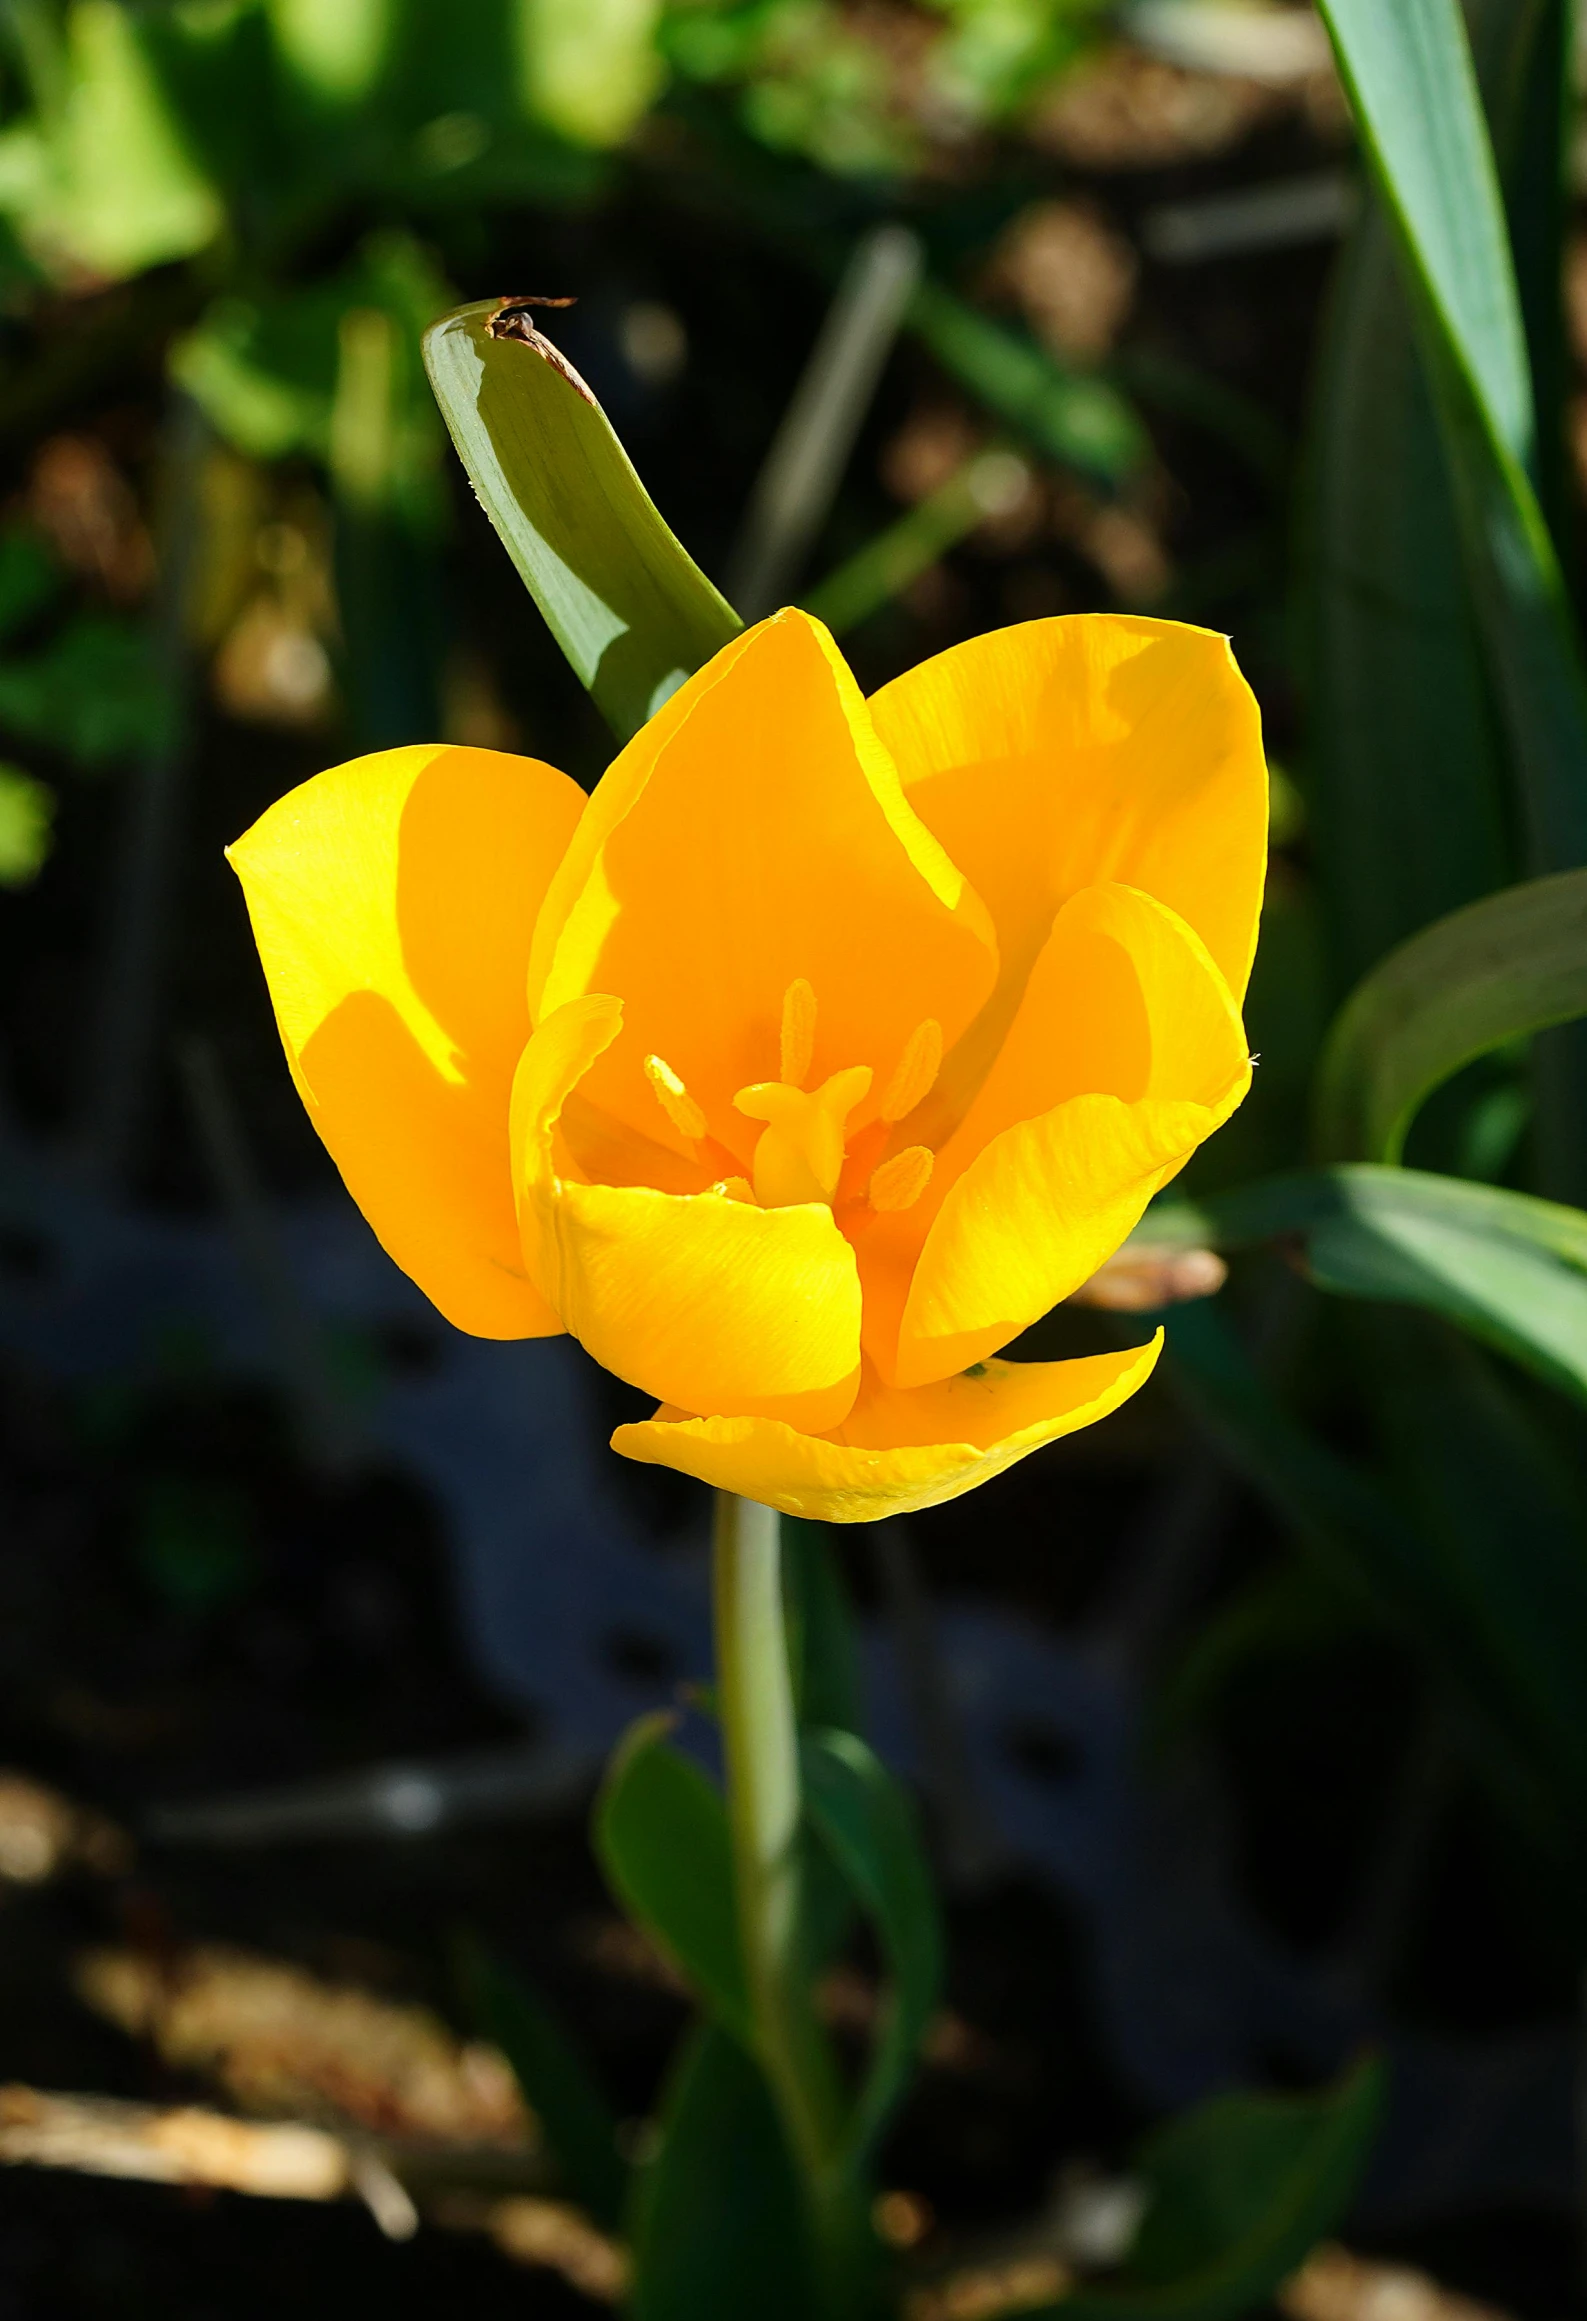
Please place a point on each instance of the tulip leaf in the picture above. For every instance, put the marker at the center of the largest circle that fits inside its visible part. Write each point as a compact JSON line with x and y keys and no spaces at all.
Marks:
{"x":1509,"y":1269}
{"x":662,"y":1836}
{"x":631,"y":610}
{"x":867,"y":1823}
{"x":717,"y":2221}
{"x":1413,"y":88}
{"x":1240,"y":2189}
{"x":1407,"y":774}
{"x":557,"y":2083}
{"x":1512,"y":964}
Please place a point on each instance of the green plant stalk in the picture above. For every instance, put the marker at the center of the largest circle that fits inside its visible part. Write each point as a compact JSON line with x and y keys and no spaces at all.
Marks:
{"x":760,"y":1742}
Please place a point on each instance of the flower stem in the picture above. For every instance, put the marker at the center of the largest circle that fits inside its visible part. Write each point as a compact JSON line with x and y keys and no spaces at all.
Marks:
{"x":760,"y":1740}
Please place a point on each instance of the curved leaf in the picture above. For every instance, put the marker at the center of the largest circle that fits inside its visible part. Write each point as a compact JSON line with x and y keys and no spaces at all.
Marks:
{"x":1510,"y":1269}
{"x":867,"y":1822}
{"x":1241,"y":2189}
{"x":661,"y":1833}
{"x":630,"y":608}
{"x":1509,"y":965}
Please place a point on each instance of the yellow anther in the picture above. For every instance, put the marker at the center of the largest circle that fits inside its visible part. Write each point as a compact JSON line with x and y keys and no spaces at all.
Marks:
{"x":800,"y":1153}
{"x":899,"y":1182}
{"x":918,"y":1067}
{"x":674,"y":1099}
{"x":734,"y":1189}
{"x":798,"y":1041}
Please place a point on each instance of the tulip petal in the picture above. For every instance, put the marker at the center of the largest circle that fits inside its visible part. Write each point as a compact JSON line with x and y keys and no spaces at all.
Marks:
{"x":393,"y":901}
{"x":1064,"y":753}
{"x":896,"y":1451}
{"x":754,"y":836}
{"x":1125,"y":1055}
{"x":699,"y":1298}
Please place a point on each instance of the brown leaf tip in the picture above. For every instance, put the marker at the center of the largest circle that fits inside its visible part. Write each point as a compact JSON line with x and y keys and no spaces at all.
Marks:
{"x":512,"y":320}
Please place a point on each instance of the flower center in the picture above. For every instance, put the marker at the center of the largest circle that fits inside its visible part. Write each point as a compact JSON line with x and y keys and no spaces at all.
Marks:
{"x":801,"y":1151}
{"x":799,"y":1154}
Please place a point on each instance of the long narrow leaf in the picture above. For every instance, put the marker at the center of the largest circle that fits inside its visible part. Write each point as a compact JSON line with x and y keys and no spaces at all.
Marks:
{"x":1501,"y":968}
{"x":1509,"y":1269}
{"x":1409,"y":72}
{"x":631,"y":610}
{"x":1406,"y":764}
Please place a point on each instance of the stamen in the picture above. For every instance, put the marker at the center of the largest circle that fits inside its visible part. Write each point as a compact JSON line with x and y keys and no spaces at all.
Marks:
{"x":674,"y":1099}
{"x":899,"y":1182}
{"x":918,"y":1067}
{"x":798,"y":1042}
{"x":734,"y":1189}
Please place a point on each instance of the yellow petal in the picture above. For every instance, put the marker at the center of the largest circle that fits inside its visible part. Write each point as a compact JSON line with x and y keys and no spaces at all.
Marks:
{"x":700,"y":1298}
{"x":754,"y":838}
{"x":896,"y":1451}
{"x":1126,"y":1053}
{"x":393,"y":901}
{"x":1100,"y":746}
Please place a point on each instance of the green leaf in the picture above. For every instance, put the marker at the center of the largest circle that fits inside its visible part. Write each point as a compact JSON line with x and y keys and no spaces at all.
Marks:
{"x":592,"y":66}
{"x":1509,"y":1269}
{"x":718,"y":2227}
{"x":631,"y":610}
{"x":1241,"y":2189}
{"x":27,"y":826}
{"x":92,"y":692}
{"x":867,"y":1822}
{"x":1073,"y":416}
{"x":662,"y":1836}
{"x":557,"y":2083}
{"x":30,"y":578}
{"x":1504,"y":967}
{"x":1413,"y":87}
{"x":1407,"y":778}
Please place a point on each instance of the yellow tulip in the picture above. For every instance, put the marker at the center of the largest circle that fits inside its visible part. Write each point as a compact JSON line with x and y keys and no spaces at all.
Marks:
{"x":821,"y":1050}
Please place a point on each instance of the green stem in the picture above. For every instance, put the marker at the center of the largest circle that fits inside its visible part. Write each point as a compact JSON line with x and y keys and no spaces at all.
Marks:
{"x":760,"y":1738}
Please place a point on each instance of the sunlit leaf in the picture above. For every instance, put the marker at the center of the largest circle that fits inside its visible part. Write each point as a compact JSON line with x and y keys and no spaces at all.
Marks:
{"x":1509,"y":1269}
{"x":629,"y":607}
{"x":27,"y":826}
{"x":1414,"y":92}
{"x":592,"y":65}
{"x":1509,"y":965}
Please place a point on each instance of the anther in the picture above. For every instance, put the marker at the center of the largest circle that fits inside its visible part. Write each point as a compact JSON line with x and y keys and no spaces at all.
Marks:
{"x":899,"y":1182}
{"x":674,"y":1099}
{"x":798,"y":1041}
{"x":918,"y":1067}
